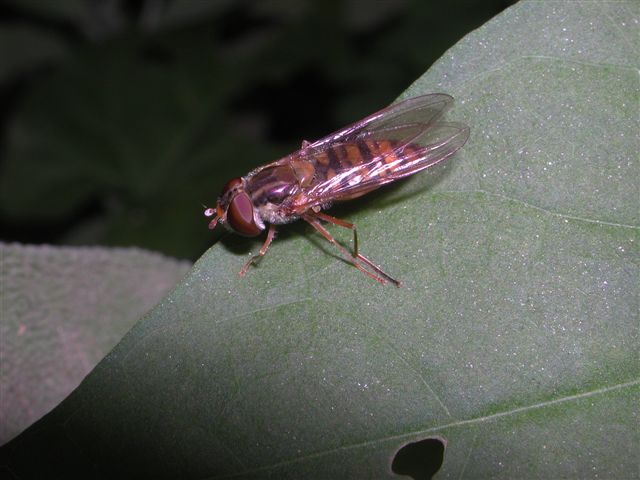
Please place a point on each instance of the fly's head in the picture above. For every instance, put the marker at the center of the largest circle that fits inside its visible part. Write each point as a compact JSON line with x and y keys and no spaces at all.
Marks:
{"x":235,"y":210}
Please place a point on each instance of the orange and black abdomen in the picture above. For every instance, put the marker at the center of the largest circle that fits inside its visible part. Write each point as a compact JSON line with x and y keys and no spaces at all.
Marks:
{"x":346,"y":156}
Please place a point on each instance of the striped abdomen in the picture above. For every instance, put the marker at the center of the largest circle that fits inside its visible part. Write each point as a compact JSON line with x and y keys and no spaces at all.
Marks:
{"x":376,"y":157}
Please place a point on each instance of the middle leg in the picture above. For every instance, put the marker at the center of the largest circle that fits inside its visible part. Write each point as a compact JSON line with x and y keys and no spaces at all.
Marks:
{"x":356,"y":254}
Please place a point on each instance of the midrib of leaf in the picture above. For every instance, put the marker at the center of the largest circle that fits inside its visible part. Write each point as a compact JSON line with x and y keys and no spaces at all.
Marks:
{"x":562,"y":215}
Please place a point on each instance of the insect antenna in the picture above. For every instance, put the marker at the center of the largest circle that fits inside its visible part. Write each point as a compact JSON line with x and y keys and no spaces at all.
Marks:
{"x":212,"y":212}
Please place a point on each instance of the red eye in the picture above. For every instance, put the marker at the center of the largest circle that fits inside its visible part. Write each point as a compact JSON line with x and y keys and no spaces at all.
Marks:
{"x":240,"y":216}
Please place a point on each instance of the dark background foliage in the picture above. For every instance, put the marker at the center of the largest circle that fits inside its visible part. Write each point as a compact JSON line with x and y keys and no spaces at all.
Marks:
{"x":120,"y":118}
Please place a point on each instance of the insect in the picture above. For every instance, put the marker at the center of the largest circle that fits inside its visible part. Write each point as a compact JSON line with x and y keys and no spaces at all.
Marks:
{"x":391,"y":144}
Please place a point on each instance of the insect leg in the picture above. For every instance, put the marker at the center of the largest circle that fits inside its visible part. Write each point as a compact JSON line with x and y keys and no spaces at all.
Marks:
{"x":342,"y":223}
{"x":270,"y":234}
{"x":315,"y":223}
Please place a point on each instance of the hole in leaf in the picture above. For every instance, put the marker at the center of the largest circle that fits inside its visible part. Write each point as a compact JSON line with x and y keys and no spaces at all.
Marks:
{"x":420,"y":460}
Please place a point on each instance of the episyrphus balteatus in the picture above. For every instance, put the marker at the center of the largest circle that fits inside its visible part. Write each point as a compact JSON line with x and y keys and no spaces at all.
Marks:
{"x":391,"y":144}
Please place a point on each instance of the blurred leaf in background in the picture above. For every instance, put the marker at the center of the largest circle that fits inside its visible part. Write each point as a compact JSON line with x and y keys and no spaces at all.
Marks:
{"x":62,"y":310}
{"x":121,"y":118}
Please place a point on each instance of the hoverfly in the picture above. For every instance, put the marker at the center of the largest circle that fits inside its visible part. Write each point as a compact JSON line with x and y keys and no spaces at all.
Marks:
{"x":395,"y":142}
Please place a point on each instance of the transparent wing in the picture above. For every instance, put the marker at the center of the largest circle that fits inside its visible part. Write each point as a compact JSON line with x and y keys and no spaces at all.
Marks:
{"x":423,"y":110}
{"x":429,"y":146}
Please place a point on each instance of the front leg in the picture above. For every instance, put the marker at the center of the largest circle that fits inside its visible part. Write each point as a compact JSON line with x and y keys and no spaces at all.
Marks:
{"x":270,"y":235}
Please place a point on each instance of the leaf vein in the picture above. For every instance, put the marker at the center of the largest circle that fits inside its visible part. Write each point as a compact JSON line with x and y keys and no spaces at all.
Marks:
{"x":542,"y":209}
{"x":471,"y":421}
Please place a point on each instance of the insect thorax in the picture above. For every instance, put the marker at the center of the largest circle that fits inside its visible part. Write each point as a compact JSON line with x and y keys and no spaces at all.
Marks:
{"x":276,"y":214}
{"x":272,"y":190}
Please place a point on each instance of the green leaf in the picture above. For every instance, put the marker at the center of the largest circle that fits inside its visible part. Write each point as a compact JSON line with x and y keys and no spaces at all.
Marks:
{"x":94,"y":19}
{"x":63,"y":309}
{"x":94,"y":125}
{"x":24,"y":48}
{"x":513,"y":339}
{"x":71,"y":10}
{"x":139,"y":124}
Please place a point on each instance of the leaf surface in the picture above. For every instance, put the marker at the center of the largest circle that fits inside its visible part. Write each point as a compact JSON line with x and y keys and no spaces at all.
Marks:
{"x":514,"y":337}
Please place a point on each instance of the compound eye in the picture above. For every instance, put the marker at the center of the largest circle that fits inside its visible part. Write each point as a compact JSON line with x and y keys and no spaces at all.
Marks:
{"x":240,"y":216}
